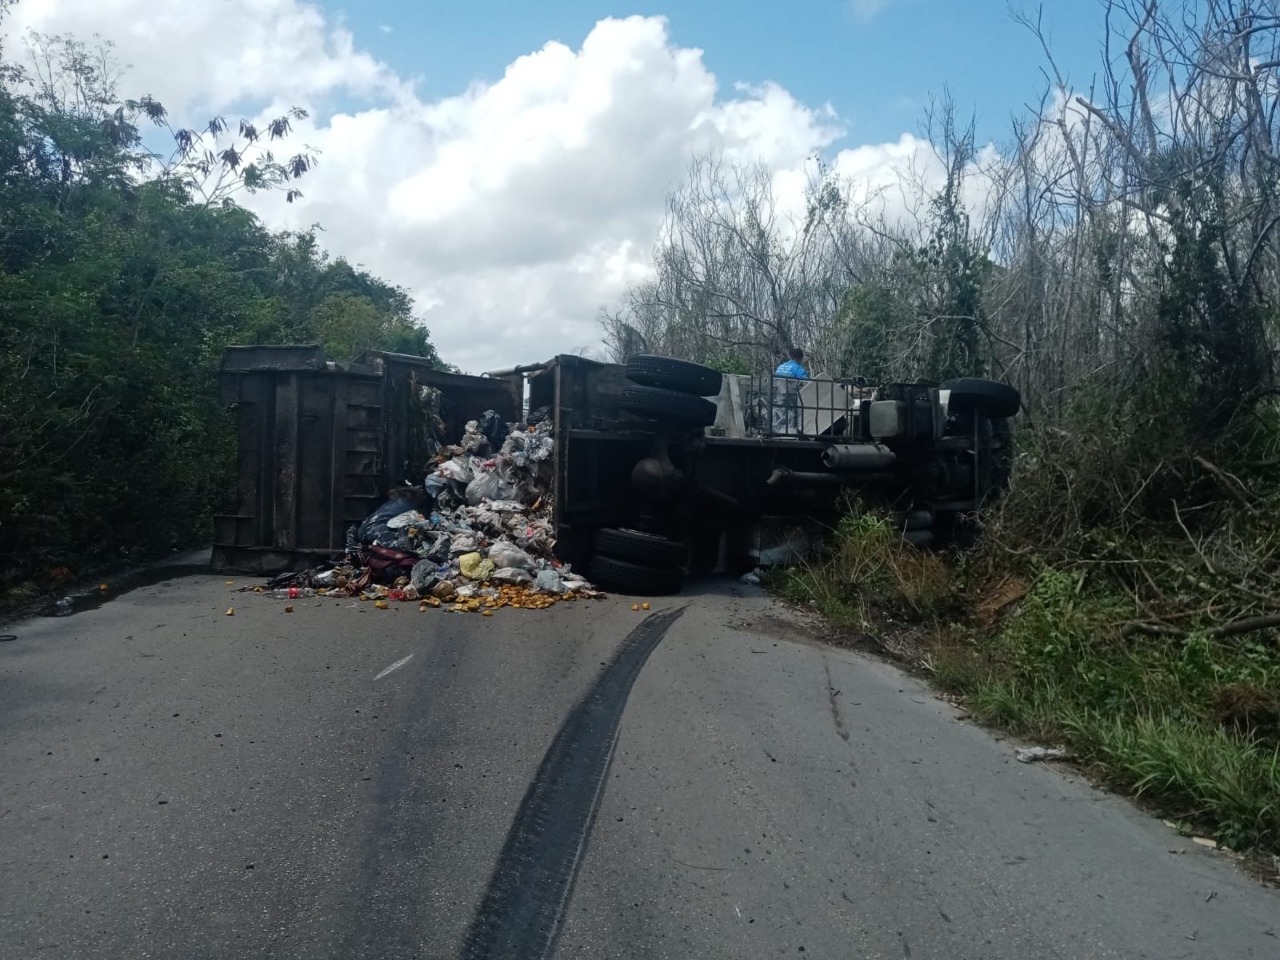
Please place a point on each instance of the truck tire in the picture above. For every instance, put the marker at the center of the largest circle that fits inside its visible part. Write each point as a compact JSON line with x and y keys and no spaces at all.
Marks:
{"x":917,"y":520}
{"x":654,"y":403}
{"x":638,"y":547}
{"x":918,"y":538}
{"x":991,"y":397}
{"x":668,"y":373}
{"x":635,"y":578}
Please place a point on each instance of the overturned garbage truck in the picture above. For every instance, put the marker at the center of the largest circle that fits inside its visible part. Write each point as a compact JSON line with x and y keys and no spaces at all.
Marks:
{"x":635,"y":474}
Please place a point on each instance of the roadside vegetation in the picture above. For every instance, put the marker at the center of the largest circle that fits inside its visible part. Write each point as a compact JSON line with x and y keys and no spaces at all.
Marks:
{"x":126,"y":265}
{"x":1075,"y":653}
{"x":1116,"y":258}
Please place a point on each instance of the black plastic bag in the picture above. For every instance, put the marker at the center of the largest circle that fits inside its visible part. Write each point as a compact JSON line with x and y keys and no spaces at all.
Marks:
{"x":374,"y":529}
{"x":494,"y":428}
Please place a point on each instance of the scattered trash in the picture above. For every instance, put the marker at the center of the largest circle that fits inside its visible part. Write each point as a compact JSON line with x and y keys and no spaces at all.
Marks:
{"x":475,"y":536}
{"x":408,"y":518}
{"x":751,"y":579}
{"x":475,"y":566}
{"x":231,"y":611}
{"x":376,"y":529}
{"x":509,"y":556}
{"x":293,"y":593}
{"x":511,"y":575}
{"x":289,"y":608}
{"x":1205,"y":842}
{"x":549,"y":581}
{"x":1032,"y":754}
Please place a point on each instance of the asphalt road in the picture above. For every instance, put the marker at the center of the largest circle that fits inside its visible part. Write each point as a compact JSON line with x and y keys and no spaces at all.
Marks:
{"x":584,"y":782}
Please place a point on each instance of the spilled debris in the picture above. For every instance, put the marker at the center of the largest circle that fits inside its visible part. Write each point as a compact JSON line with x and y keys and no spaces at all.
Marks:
{"x":1036,"y":754}
{"x":474,"y":537}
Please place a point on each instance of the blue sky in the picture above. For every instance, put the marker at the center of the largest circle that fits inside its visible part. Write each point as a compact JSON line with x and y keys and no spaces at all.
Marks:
{"x":878,"y":71}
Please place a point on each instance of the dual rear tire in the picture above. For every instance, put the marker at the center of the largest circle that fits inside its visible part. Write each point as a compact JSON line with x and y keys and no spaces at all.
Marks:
{"x":666,"y":391}
{"x":672,"y":391}
{"x":634,"y":562}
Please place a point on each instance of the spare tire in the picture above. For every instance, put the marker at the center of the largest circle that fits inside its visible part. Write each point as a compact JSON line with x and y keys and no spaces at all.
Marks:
{"x":668,"y":373}
{"x":640,"y":547}
{"x":993,"y":398}
{"x":635,"y":578}
{"x":654,"y":403}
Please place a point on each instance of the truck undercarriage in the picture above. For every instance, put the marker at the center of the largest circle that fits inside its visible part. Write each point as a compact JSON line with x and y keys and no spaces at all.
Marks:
{"x":933,"y":454}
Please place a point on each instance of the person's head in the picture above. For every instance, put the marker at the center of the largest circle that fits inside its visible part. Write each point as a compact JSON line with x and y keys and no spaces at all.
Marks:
{"x":796,"y":354}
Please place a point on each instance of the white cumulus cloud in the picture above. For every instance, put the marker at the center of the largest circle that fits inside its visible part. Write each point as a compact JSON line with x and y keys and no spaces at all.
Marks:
{"x":514,"y":210}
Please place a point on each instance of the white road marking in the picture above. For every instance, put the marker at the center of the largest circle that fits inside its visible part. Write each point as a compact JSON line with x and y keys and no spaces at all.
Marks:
{"x":395,"y":666}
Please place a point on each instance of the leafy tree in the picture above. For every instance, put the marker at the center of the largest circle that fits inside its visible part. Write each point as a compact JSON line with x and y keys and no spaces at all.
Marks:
{"x":869,"y":317}
{"x":123,"y":275}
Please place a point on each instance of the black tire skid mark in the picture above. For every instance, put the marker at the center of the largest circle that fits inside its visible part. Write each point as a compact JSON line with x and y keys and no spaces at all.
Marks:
{"x":522,"y":912}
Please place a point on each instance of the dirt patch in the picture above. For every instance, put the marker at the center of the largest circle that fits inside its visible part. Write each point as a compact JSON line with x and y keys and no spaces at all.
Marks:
{"x":998,"y":597}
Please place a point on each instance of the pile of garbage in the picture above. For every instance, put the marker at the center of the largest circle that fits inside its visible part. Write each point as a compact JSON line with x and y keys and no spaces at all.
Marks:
{"x":475,"y":537}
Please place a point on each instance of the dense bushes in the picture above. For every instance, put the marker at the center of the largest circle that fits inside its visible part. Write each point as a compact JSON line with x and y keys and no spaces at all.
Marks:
{"x":121,"y":280}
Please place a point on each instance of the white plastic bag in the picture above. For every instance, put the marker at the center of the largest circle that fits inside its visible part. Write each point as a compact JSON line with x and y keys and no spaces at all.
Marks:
{"x":486,"y":486}
{"x":406,"y":519}
{"x":548,"y":581}
{"x":456,"y":469}
{"x":507,"y":506}
{"x":511,"y":575}
{"x":505,"y":554}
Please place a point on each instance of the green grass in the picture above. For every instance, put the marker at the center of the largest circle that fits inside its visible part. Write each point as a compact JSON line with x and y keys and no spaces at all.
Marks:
{"x":1190,"y":724}
{"x":867,"y":573}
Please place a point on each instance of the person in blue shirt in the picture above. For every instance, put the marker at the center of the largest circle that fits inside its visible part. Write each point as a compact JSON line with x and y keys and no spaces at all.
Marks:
{"x":793,"y":366}
{"x":786,"y":400}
